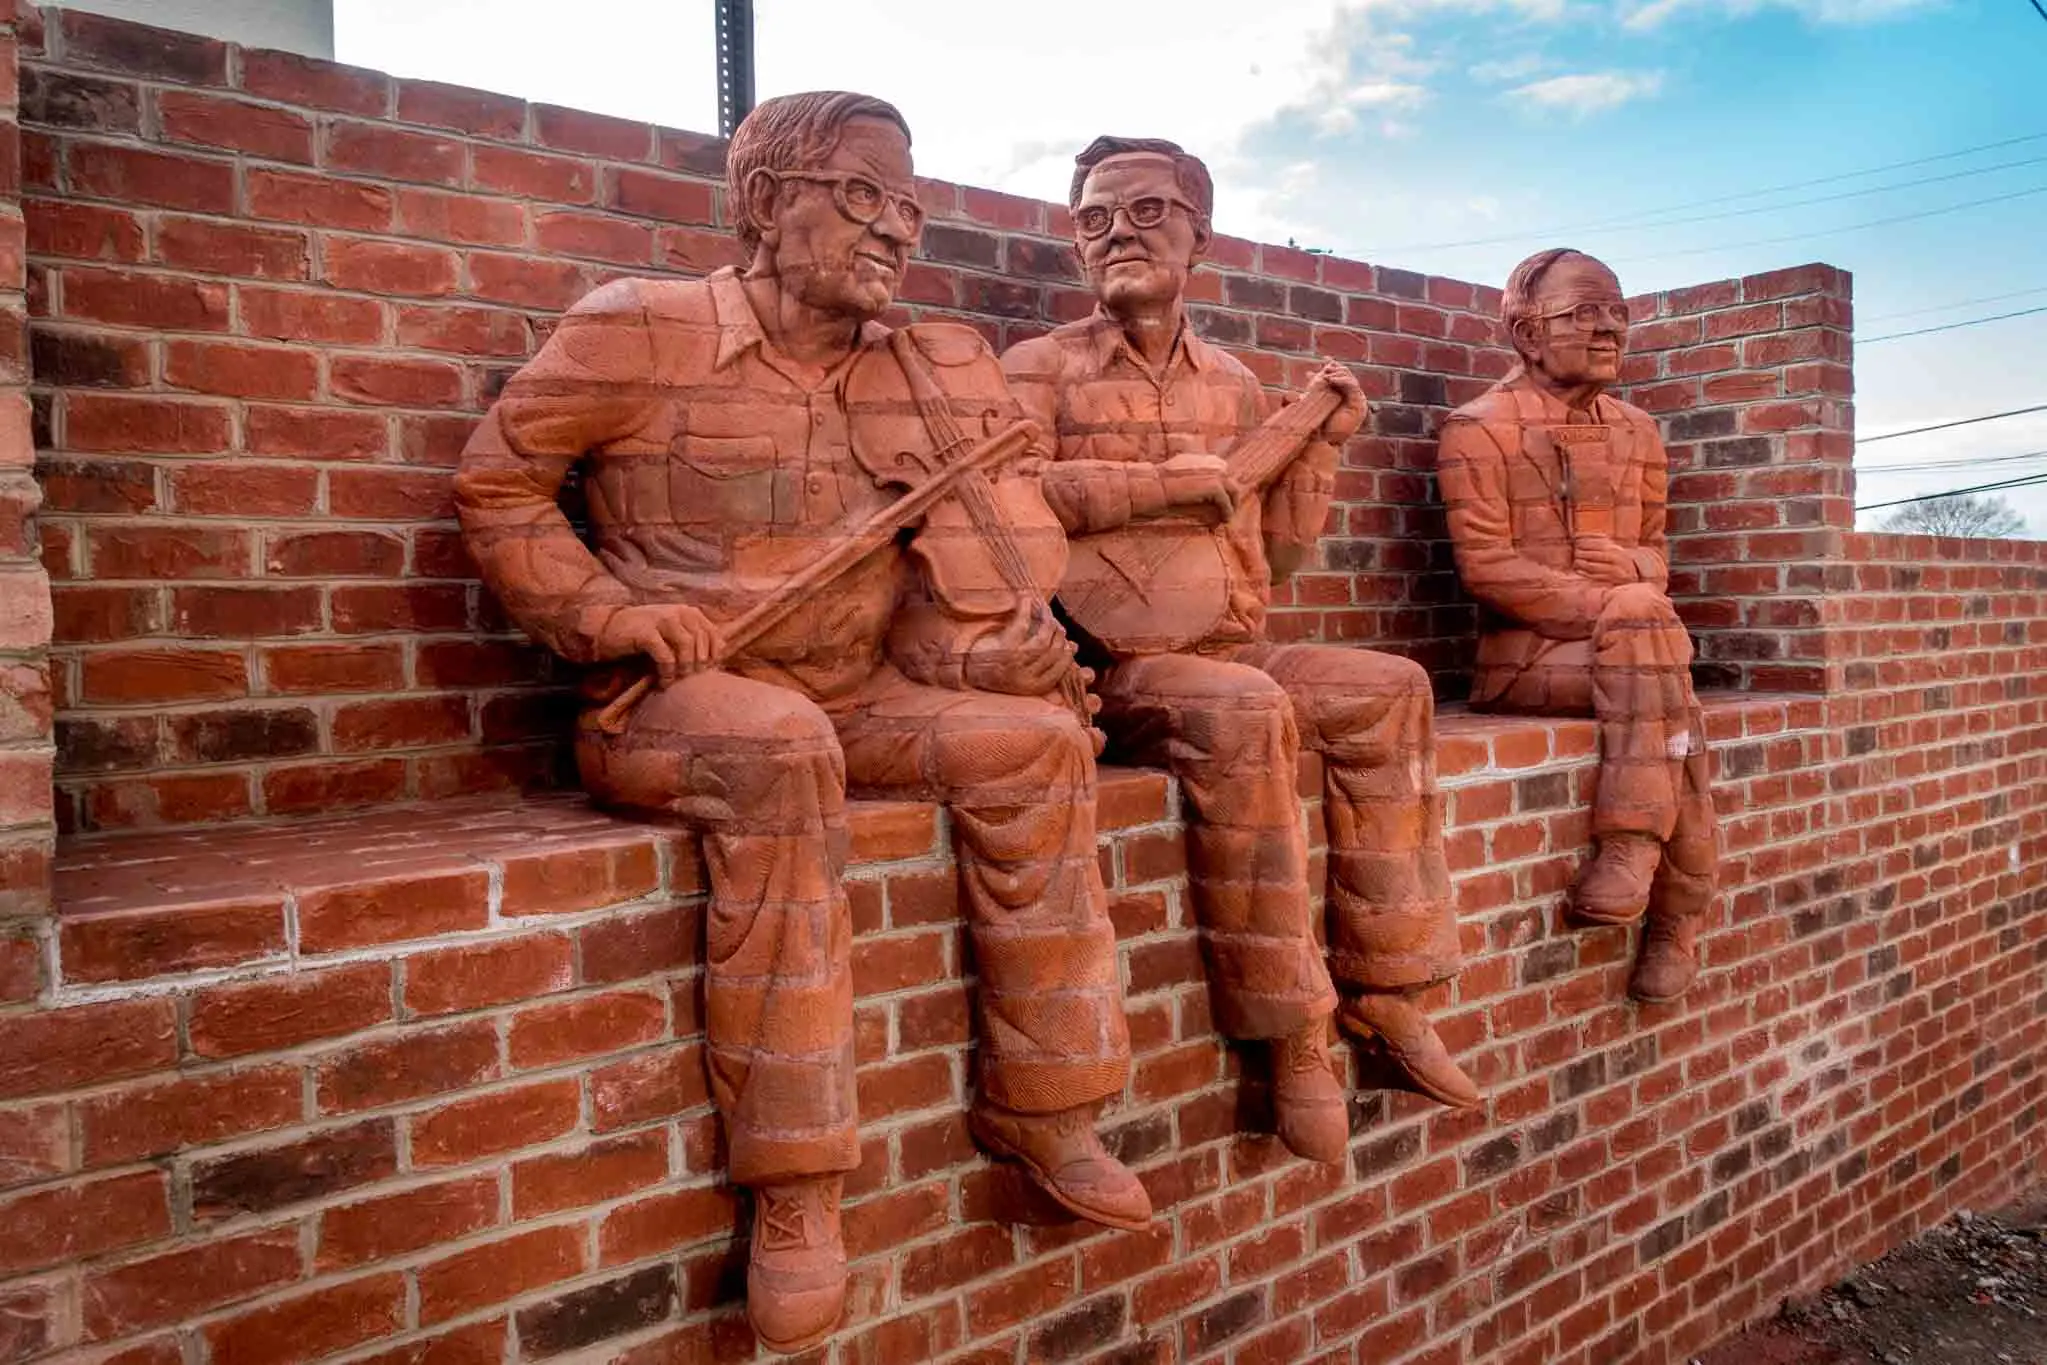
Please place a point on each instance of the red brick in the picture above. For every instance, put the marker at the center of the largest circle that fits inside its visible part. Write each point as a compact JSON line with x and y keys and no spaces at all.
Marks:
{"x":293,"y":79}
{"x":243,"y":490}
{"x":374,"y":266}
{"x":573,"y":130}
{"x":239,"y":371}
{"x":125,"y":677}
{"x":35,"y":1142}
{"x":117,"y":423}
{"x":396,"y":382}
{"x":319,"y":200}
{"x":314,"y":434}
{"x":132,"y":175}
{"x":473,"y":113}
{"x":231,"y":249}
{"x":324,"y":787}
{"x":128,"y":298}
{"x":71,"y":1222}
{"x":656,"y":1084}
{"x":334,"y":668}
{"x":392,"y":494}
{"x":526,"y":281}
{"x":466,"y":1130}
{"x":84,"y":1045}
{"x":585,"y":1027}
{"x":403,"y":607}
{"x":266,"y":1016}
{"x":411,"y":1066}
{"x":236,"y":125}
{"x":135,"y":947}
{"x":312,"y":1325}
{"x":92,"y":232}
{"x":334,"y":554}
{"x":565,"y":880}
{"x":242,"y":613}
{"x":188,"y":1281}
{"x":395,"y":1224}
{"x":464,"y":331}
{"x":476,"y":976}
{"x":401,"y":723}
{"x":377,"y":150}
{"x":482,"y":1343}
{"x":663,"y":1222}
{"x":500,"y":1270}
{"x":304,"y":315}
{"x":647,"y":194}
{"x":392,"y":910}
{"x":167,"y":552}
{"x":597,"y":1174}
{"x":566,"y":233}
{"x":469,"y":219}
{"x":324,"y":1162}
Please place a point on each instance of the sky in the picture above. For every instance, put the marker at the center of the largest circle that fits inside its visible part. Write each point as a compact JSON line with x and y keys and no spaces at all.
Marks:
{"x":1450,"y":136}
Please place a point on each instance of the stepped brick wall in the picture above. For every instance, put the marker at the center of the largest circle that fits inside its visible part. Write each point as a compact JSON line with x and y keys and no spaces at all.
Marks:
{"x":425,"y":1083}
{"x":270,"y":295}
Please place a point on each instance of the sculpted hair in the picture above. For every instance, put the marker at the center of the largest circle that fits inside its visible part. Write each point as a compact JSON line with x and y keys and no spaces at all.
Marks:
{"x":1517,"y":300}
{"x":1188,"y":171}
{"x":790,"y":133}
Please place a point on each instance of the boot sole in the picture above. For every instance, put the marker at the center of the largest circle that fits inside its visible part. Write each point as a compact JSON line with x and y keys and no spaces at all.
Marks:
{"x":994,"y":1143}
{"x":1447,"y":1099}
{"x":1605,"y":919}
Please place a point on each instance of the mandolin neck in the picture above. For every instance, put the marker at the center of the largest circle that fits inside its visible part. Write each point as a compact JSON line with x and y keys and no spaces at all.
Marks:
{"x":1257,"y":459}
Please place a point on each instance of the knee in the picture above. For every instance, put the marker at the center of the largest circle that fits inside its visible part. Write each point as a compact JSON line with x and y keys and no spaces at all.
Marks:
{"x":1636,"y":604}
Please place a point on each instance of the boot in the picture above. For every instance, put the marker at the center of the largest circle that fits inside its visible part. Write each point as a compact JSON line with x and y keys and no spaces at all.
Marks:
{"x":796,"y":1274}
{"x":1064,"y":1155}
{"x":1614,"y":887}
{"x":1307,"y":1099}
{"x":1411,"y":1041}
{"x":1668,"y":959}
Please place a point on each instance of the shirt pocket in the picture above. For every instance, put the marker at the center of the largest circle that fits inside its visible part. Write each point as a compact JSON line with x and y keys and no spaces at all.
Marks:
{"x":727,"y":479}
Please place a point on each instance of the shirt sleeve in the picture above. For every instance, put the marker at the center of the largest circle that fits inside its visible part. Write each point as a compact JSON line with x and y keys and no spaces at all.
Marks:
{"x":1087,"y":496}
{"x":589,"y":385}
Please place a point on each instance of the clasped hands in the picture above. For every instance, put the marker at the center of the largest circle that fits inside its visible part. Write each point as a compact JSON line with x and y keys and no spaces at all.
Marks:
{"x":1600,"y":559}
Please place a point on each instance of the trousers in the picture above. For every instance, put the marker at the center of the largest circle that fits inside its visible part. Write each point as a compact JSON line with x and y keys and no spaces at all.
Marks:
{"x":1230,"y":727}
{"x":763,"y":771}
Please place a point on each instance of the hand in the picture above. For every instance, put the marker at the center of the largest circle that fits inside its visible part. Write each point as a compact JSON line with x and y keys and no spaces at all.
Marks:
{"x":1200,"y":483}
{"x":1025,"y":658}
{"x":679,"y":639}
{"x":1602,"y":561}
{"x":1345,"y":421}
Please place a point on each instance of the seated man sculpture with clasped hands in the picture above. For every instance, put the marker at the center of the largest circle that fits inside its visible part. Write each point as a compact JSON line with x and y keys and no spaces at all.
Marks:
{"x":1556,"y":493}
{"x":736,"y":432}
{"x":1175,"y":549}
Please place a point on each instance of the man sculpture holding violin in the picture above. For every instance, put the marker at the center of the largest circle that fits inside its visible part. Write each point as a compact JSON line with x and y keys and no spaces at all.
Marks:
{"x":817,"y":568}
{"x":1184,"y":500}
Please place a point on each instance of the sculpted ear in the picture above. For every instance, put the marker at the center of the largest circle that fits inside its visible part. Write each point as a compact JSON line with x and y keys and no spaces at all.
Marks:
{"x":1526,"y":338}
{"x":763,"y":193}
{"x":1204,"y":236}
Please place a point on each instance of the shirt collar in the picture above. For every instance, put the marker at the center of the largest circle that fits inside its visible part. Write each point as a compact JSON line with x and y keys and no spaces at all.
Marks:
{"x":1108,"y":342}
{"x":739,"y":329}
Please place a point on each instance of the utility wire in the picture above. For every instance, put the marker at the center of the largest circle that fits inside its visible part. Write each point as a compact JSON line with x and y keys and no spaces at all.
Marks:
{"x":1629,"y":218}
{"x":1829,"y":198}
{"x":1942,"y":466}
{"x":1943,"y":426}
{"x":1950,"y":326}
{"x":2040,"y":7}
{"x":1850,"y":227}
{"x":1958,"y":303}
{"x":1954,"y":493}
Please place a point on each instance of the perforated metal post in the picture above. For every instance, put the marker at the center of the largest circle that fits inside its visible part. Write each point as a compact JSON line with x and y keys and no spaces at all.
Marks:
{"x":735,"y":63}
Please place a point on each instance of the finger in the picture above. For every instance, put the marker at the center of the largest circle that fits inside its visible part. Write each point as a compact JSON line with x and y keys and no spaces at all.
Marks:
{"x":664,"y":658}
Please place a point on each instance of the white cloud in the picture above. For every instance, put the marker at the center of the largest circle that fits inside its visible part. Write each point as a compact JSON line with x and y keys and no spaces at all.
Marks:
{"x":1509,"y":69}
{"x":1589,"y":92}
{"x":1643,"y":15}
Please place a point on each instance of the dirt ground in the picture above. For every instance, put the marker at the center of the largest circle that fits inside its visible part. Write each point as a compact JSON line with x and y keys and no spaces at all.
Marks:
{"x":1972,"y":1291}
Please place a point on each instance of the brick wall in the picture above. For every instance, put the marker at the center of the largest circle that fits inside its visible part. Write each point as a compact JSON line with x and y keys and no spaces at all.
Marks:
{"x":271,"y":293}
{"x":428,"y":1085}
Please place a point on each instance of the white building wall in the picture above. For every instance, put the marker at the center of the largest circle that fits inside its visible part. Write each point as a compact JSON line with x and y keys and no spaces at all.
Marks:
{"x":305,"y":26}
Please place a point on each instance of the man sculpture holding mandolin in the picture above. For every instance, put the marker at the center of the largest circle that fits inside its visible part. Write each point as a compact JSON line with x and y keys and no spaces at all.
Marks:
{"x":811,"y":573}
{"x":1182,"y":500}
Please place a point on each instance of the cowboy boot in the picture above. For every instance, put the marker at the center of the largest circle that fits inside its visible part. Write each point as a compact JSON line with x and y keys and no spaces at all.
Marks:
{"x":1064,"y":1155}
{"x":796,"y":1273}
{"x":1411,"y":1041}
{"x":1307,"y":1099}
{"x":1668,"y":960}
{"x":1614,"y":887}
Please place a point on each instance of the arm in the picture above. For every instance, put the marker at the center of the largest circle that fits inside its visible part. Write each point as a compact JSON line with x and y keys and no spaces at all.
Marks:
{"x":1472,"y":471}
{"x":1086,"y":495}
{"x":1652,"y":556}
{"x":587,"y":386}
{"x":1297,"y":504}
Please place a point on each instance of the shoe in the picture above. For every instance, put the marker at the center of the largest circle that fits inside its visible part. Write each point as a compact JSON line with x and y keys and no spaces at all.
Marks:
{"x":1668,"y":961}
{"x":1411,"y":1041}
{"x":796,"y":1273}
{"x":1307,"y":1100}
{"x":1614,"y":887}
{"x":1063,"y":1154}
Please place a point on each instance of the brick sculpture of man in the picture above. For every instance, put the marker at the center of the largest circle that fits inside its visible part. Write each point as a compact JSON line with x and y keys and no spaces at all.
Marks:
{"x":1143,"y":411}
{"x":725,"y":448}
{"x":1556,"y":494}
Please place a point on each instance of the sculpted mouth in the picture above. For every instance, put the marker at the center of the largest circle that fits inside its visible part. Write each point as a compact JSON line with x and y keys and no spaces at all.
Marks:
{"x":884,"y":262}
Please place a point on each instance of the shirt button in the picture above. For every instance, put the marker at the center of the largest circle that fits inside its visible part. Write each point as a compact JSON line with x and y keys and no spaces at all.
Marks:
{"x":817,"y":419}
{"x":816,"y":483}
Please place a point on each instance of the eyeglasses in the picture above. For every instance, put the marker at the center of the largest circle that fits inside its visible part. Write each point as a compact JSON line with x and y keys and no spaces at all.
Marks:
{"x":1094,"y":220}
{"x":1589,"y":316}
{"x":862,"y":201}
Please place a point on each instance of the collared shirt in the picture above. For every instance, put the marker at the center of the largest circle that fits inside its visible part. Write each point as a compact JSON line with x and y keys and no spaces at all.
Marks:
{"x":1106,"y":406}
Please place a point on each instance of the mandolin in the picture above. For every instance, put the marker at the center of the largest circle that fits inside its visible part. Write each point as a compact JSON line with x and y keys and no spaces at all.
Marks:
{"x":1162,"y":584}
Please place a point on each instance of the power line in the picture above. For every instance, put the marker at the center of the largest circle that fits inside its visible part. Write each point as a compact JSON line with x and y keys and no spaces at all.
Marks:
{"x":1831,"y":198}
{"x":2040,"y":7}
{"x":1958,"y":303}
{"x":1943,"y":426}
{"x":1851,"y":227}
{"x":1950,"y":326}
{"x":1942,"y":466}
{"x":1628,"y":218}
{"x":1954,"y":493}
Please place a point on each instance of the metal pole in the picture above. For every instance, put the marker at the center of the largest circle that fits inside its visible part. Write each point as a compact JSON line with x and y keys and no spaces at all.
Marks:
{"x":735,"y":63}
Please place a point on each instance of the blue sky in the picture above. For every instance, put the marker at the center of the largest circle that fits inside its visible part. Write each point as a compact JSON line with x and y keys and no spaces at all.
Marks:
{"x":1384,"y":128}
